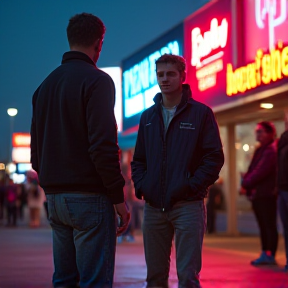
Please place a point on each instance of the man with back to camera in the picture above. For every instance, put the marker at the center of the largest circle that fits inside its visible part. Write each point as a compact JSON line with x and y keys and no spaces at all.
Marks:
{"x":75,"y":152}
{"x":178,"y":155}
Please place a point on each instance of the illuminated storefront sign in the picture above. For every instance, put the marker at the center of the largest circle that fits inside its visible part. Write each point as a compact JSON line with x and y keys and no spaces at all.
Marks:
{"x":21,"y":139}
{"x":267,"y":67}
{"x":21,"y":147}
{"x":265,"y":22}
{"x":271,"y":13}
{"x":205,"y":45}
{"x":140,"y":83}
{"x":207,"y":49}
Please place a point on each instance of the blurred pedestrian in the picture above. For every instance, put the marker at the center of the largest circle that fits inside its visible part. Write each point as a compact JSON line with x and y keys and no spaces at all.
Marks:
{"x":21,"y":200}
{"x":178,"y":155}
{"x":35,"y":199}
{"x":215,"y":198}
{"x":260,"y":187}
{"x":283,"y":187}
{"x":11,"y":195}
{"x":2,"y":197}
{"x":132,"y":201}
{"x":75,"y":153}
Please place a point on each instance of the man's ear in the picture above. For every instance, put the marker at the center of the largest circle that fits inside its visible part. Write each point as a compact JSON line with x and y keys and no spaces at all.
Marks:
{"x":98,"y":45}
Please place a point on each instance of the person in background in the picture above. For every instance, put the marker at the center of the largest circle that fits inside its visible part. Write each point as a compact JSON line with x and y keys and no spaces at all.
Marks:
{"x":132,"y":201}
{"x":74,"y":150}
{"x":259,"y":184}
{"x":282,"y":183}
{"x":2,"y":197}
{"x":21,"y":201}
{"x":35,"y":198}
{"x":11,"y":196}
{"x":178,"y":155}
{"x":214,"y":200}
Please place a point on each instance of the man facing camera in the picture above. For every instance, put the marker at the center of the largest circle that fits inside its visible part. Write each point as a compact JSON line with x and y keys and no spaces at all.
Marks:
{"x":178,"y":155}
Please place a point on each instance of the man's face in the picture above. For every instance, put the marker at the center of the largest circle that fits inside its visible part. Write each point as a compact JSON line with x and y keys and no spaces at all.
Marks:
{"x":169,"y":78}
{"x":261,"y":135}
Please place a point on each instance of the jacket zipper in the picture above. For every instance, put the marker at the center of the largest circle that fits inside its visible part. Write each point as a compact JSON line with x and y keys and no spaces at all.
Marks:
{"x":164,"y":157}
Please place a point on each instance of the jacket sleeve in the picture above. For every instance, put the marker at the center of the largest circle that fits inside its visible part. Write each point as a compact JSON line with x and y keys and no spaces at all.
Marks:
{"x":102,"y":133}
{"x":212,"y":157}
{"x":138,"y":165}
{"x":264,"y":167}
{"x":33,"y":144}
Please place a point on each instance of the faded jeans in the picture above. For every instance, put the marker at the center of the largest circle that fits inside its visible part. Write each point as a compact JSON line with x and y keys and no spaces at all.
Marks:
{"x":187,"y":222}
{"x":84,"y":239}
{"x":283,"y":211}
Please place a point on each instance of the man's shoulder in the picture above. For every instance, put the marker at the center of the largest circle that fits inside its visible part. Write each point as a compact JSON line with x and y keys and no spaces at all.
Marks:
{"x":198,"y":104}
{"x":148,"y":111}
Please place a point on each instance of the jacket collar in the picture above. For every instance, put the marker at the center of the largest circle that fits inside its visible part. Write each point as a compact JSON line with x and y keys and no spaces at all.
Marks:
{"x":186,"y":96}
{"x":76,"y":55}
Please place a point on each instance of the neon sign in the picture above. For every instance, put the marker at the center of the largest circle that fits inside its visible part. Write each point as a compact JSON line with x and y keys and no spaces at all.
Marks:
{"x":266,"y":68}
{"x":21,"y":139}
{"x":214,"y":38}
{"x":207,"y":75}
{"x":208,"y":49}
{"x":204,"y":45}
{"x":140,"y":82}
{"x":269,"y":8}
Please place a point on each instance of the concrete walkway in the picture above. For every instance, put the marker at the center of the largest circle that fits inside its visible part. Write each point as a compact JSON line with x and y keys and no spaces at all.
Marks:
{"x":26,"y":261}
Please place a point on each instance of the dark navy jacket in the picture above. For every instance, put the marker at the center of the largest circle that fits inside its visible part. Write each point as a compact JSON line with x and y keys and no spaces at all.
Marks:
{"x":182,"y":164}
{"x":74,"y":132}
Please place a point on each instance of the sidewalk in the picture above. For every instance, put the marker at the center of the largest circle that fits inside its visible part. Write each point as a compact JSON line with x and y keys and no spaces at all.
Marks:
{"x":26,"y":262}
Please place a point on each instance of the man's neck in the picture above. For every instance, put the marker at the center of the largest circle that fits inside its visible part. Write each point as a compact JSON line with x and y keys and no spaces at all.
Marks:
{"x":170,"y":101}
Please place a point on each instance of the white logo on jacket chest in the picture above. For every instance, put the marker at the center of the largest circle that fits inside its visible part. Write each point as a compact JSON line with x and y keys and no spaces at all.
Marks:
{"x":184,"y":125}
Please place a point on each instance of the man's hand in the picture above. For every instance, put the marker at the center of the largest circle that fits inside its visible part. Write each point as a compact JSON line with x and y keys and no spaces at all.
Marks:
{"x":123,"y":213}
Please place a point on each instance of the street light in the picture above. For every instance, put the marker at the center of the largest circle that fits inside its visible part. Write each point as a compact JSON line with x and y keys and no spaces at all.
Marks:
{"x":11,"y":112}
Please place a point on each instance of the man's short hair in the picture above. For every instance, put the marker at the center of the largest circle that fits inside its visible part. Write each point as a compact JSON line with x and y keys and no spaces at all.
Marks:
{"x":84,"y":29}
{"x":173,"y":59}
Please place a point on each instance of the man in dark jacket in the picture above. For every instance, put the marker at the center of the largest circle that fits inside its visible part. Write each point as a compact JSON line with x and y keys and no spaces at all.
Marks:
{"x":283,"y":187}
{"x":75,"y":152}
{"x":178,"y":154}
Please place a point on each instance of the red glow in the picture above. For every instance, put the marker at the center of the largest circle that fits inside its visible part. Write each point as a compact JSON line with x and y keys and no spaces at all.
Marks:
{"x":21,"y":140}
{"x":212,"y":51}
{"x":255,"y":37}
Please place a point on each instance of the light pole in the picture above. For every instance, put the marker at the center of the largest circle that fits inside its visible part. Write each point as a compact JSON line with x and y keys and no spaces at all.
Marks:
{"x":12,"y":112}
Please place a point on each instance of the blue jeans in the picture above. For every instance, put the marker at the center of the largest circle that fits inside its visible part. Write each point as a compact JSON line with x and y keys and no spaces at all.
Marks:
{"x":283,"y":211}
{"x":84,"y":239}
{"x":187,"y":221}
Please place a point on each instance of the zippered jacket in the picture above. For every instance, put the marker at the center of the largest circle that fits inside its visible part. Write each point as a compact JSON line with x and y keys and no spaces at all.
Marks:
{"x":260,"y":179}
{"x":74,"y":133}
{"x":184,"y":162}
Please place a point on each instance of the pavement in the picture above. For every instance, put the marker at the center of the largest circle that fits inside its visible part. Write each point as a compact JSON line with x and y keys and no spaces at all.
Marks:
{"x":26,"y":261}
